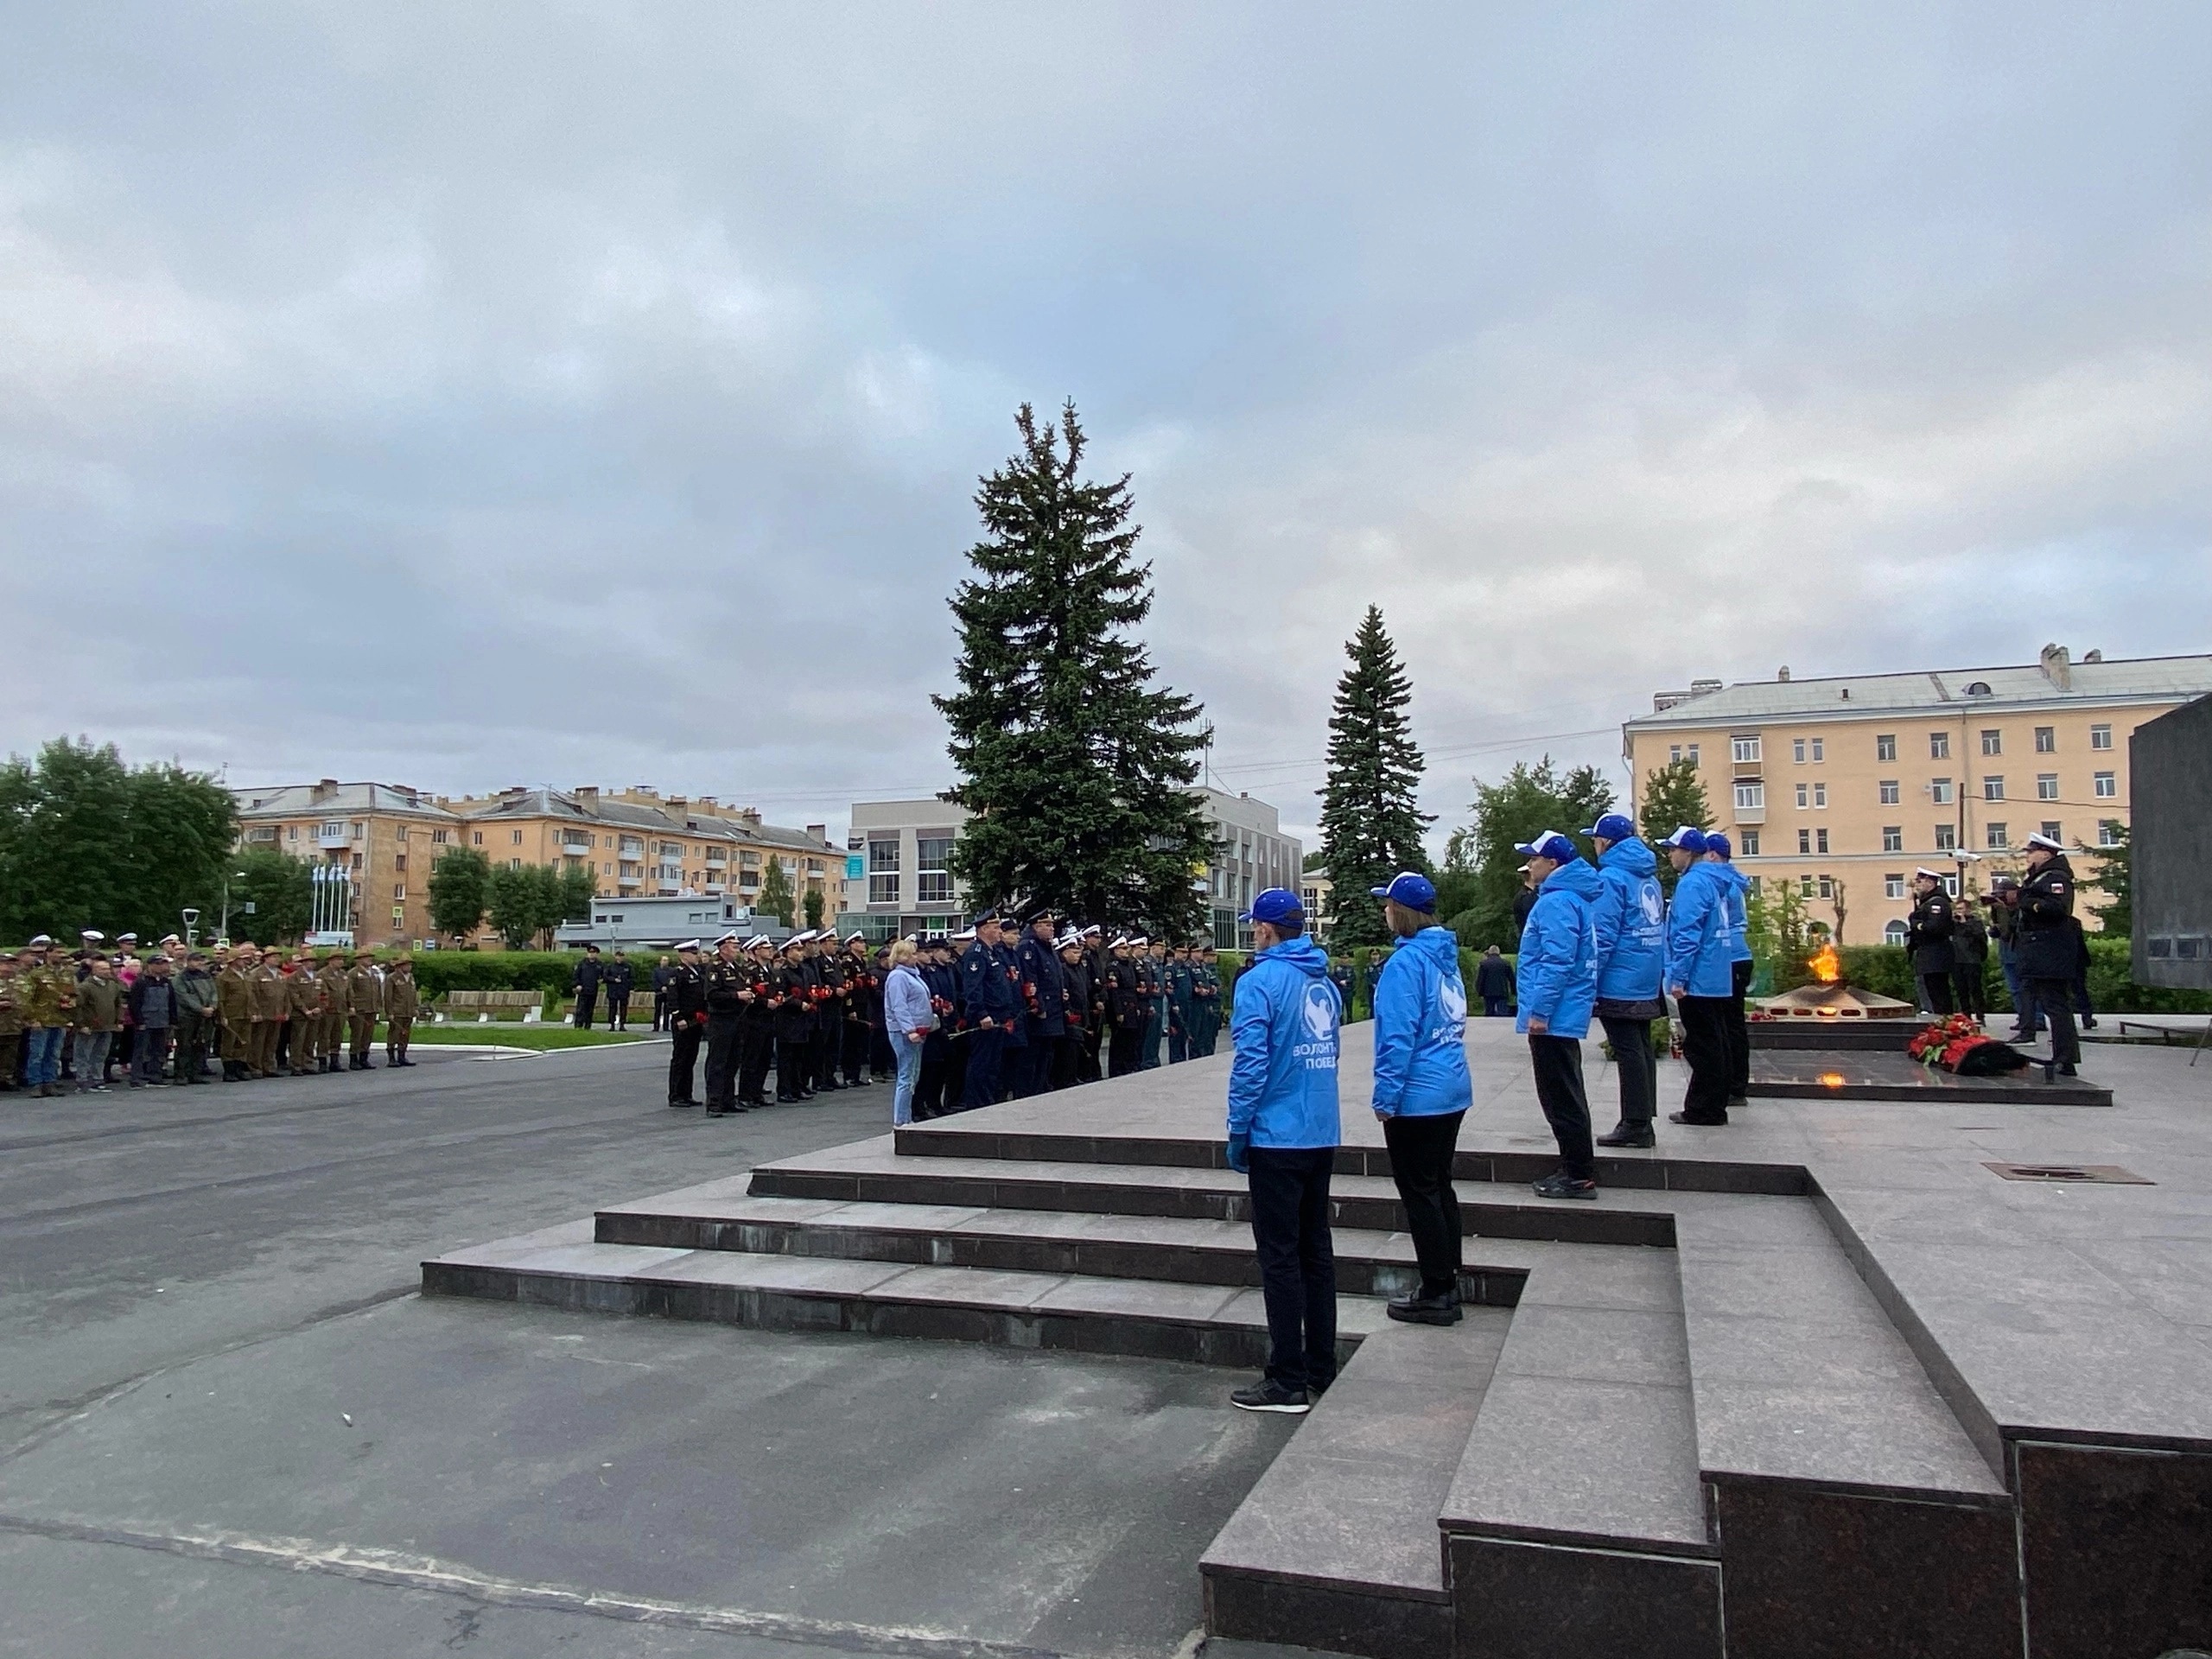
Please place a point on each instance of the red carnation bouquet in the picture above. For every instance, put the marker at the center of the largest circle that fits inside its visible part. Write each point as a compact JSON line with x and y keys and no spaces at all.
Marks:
{"x":1959,"y":1046}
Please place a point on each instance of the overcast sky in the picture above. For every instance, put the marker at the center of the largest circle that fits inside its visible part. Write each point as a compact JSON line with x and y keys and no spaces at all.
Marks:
{"x":473,"y":396}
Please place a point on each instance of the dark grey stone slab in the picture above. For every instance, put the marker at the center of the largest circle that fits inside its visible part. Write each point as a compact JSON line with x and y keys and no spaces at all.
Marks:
{"x":1845,"y":1036}
{"x":1329,"y":1618}
{"x":1817,"y":1575}
{"x":1521,"y":1600}
{"x":2117,"y":1550}
{"x":1844,"y":1075}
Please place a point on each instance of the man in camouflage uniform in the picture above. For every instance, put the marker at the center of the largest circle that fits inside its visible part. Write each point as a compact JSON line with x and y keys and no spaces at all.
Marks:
{"x":304,"y":1003}
{"x":269,"y":997}
{"x":49,"y":996}
{"x":11,"y":1023}
{"x":363,"y":1002}
{"x":234,"y":1013}
{"x":401,"y":1000}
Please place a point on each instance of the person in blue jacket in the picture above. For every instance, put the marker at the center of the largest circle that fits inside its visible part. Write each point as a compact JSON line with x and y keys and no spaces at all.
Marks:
{"x":1421,"y":1087}
{"x":1630,"y":920}
{"x":1718,"y":853}
{"x":1699,"y":976}
{"x":1559,"y":988}
{"x":1283,"y":1131}
{"x":988,"y":1008}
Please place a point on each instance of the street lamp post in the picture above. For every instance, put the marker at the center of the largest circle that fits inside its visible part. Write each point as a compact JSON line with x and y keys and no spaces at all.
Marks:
{"x":191,"y":926}
{"x":223,"y":927}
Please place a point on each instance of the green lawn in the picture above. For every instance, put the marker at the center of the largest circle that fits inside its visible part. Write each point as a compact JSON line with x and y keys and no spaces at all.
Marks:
{"x":515,"y":1034}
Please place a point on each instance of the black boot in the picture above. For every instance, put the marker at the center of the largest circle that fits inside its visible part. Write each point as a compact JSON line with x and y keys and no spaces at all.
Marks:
{"x":1629,"y":1135}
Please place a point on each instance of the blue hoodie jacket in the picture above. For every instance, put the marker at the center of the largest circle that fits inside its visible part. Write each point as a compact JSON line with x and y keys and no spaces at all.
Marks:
{"x":1697,"y":933}
{"x":1559,"y":953}
{"x":1421,"y":1029}
{"x":1630,"y":916}
{"x":1739,"y":916}
{"x":1282,"y":1084}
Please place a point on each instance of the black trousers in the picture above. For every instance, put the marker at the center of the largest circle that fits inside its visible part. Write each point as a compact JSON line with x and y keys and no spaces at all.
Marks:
{"x":1014,"y":1061}
{"x":2055,"y":998}
{"x":587,"y":1003}
{"x":929,"y":1084}
{"x":1093,"y":1036}
{"x":823,"y":1048}
{"x":1420,"y":1163}
{"x":981,"y":1085}
{"x":618,"y":1009}
{"x":721,"y":1062}
{"x":955,"y":1076}
{"x":1704,"y":1045}
{"x":794,"y":1067}
{"x":1639,"y":1068}
{"x":1967,"y":980}
{"x":1739,"y":1034}
{"x":755,"y":1040}
{"x":1935,"y":991}
{"x":856,"y":1046}
{"x":1124,"y":1053}
{"x":1297,"y":1263}
{"x":683,"y":1058}
{"x":1558,"y":1065}
{"x":1067,"y":1061}
{"x":193,"y":1032}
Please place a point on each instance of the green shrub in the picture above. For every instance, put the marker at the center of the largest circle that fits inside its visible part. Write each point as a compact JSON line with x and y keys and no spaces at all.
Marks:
{"x":440,"y":971}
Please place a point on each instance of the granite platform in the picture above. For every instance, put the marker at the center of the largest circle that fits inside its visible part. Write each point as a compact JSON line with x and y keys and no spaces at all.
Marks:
{"x":1822,"y":1382}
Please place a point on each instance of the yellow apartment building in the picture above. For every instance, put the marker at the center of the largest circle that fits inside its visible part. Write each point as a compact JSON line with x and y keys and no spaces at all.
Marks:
{"x":1844,"y":786}
{"x":385,"y":835}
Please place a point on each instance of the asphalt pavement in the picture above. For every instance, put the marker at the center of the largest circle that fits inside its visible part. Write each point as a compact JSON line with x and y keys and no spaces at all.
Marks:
{"x":230,"y":1426}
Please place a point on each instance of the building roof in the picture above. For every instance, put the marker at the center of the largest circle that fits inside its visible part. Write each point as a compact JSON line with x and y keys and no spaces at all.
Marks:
{"x":559,"y":804}
{"x":332,"y":798}
{"x":1947,"y":693}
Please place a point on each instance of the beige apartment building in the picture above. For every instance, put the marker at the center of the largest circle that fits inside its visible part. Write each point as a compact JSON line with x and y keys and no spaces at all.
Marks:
{"x":385,"y":835}
{"x":1844,"y":786}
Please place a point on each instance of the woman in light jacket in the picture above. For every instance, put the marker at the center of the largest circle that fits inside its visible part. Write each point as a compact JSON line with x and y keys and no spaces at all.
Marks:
{"x":908,"y":1019}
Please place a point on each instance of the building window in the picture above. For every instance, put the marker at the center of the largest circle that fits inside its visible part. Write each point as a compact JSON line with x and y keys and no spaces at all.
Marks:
{"x":2100,"y":737}
{"x":1803,"y":794}
{"x":402,"y":832}
{"x":1804,"y":886}
{"x":2049,"y":828}
{"x":1992,"y":787}
{"x":1804,"y":842}
{"x":400,"y":862}
{"x":1895,"y":932}
{"x":266,"y":832}
{"x":1939,"y":746}
{"x":1889,"y":788}
{"x":1939,"y":790}
{"x":1885,"y":746}
{"x":437,"y":837}
{"x":2046,"y":740}
{"x":1947,"y":838}
{"x":1828,"y":886}
{"x":1693,"y":755}
{"x":1751,"y":842}
{"x":2107,"y":786}
{"x":514,"y":864}
{"x":1893,"y":838}
{"x":1893,"y":886}
{"x":399,"y":891}
{"x":1820,"y":750}
{"x":1992,"y":741}
{"x":2108,"y":832}
{"x":477,"y":835}
{"x":1998,"y":841}
{"x":1819,"y":795}
{"x":883,"y":872}
{"x":1751,"y":797}
{"x":933,"y":869}
{"x":1674,"y":754}
{"x":1797,"y":750}
{"x":1951,"y":886}
{"x":292,"y":833}
{"x":1746,"y":749}
{"x":1820,"y":840}
{"x":2046,"y":787}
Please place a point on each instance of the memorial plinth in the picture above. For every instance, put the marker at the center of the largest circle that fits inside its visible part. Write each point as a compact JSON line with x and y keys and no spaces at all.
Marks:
{"x":1825,"y":1381}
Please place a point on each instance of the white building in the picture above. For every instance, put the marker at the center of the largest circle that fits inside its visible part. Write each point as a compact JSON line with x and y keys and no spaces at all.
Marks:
{"x":900,"y":878}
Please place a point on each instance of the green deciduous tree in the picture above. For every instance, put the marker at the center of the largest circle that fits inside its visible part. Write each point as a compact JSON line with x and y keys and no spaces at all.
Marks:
{"x":88,"y":841}
{"x":1076,"y":765}
{"x":811,"y":907}
{"x":526,"y":905}
{"x":281,"y":890}
{"x":2115,"y":879}
{"x":1673,"y":795}
{"x":1527,"y":800}
{"x":460,"y":890}
{"x":776,"y":893}
{"x":1371,"y":824}
{"x":578,"y":885}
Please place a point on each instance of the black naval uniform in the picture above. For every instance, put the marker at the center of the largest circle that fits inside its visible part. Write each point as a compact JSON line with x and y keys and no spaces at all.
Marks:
{"x":687,"y":1013}
{"x":2049,"y":947}
{"x":1928,"y":940}
{"x":789,"y":986}
{"x":725,"y":982}
{"x":1128,"y":1011}
{"x":756,"y":1037}
{"x":616,"y":979}
{"x":864,"y":1012}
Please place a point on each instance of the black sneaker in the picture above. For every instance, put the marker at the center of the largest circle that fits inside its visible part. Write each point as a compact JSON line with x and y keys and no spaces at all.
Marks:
{"x":1629,"y":1134}
{"x":1269,"y":1396}
{"x":1425,"y":1310}
{"x":1564,"y":1186}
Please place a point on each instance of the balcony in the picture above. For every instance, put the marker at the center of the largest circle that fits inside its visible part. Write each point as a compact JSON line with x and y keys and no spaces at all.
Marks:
{"x":332,"y":836}
{"x":1750,"y":817}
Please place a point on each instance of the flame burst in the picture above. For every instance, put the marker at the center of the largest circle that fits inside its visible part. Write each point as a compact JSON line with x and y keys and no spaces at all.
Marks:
{"x":1827,"y":965}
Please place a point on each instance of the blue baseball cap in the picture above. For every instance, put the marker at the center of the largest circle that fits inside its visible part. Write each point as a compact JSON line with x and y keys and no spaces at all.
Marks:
{"x":1410,"y":888}
{"x":1614,"y":826}
{"x":1549,"y":843}
{"x":1273,"y":905}
{"x":1689,"y":838}
{"x":1717,"y":842}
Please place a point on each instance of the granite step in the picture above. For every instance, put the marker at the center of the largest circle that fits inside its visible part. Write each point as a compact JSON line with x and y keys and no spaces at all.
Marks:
{"x":565,"y":1267}
{"x":722,"y":1215}
{"x":873,"y":1171}
{"x":1576,"y":1522}
{"x":1336,"y":1546}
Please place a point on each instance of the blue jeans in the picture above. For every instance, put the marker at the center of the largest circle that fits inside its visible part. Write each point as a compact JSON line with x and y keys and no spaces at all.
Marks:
{"x":41,"y":1055}
{"x":2024,"y":1011}
{"x":908,"y":1053}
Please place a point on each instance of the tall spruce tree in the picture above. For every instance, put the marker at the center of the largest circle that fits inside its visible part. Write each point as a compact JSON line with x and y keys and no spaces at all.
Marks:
{"x":1077,"y":767}
{"x":1370,"y":823}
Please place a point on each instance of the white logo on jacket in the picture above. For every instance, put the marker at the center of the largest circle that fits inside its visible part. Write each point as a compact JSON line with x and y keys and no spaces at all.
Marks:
{"x":1452,"y":997}
{"x":1320,"y":1013}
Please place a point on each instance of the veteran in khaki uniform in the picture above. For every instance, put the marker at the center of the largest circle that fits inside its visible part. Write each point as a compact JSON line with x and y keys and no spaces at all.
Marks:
{"x":363,"y":1002}
{"x":268,"y":998}
{"x":401,"y":1000}
{"x":234,"y":1013}
{"x":305,"y":988}
{"x":333,"y":971}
